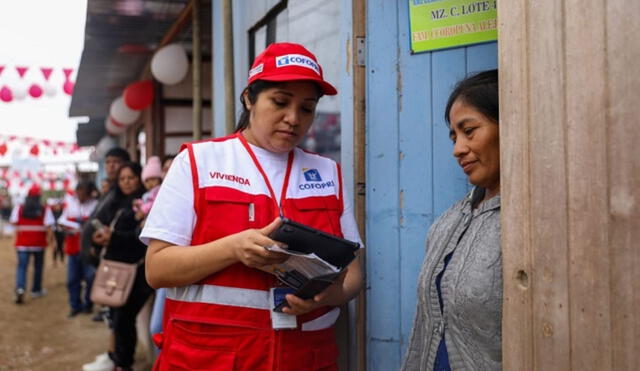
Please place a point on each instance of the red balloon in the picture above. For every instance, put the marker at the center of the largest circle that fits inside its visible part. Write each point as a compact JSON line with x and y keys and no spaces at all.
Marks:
{"x":3,"y":149}
{"x":138,"y":95}
{"x":68,"y":87}
{"x":6,"y":95}
{"x":34,"y":150}
{"x":35,"y":91}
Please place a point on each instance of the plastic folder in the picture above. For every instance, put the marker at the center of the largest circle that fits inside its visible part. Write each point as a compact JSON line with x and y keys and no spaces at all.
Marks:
{"x":318,"y":248}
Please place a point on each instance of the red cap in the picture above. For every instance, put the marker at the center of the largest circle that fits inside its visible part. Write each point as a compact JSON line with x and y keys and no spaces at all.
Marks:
{"x":34,"y":191}
{"x":289,"y":62}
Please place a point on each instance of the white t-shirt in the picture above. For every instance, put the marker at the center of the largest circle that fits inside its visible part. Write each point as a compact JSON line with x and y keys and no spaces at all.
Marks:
{"x":76,"y":210}
{"x":173,"y":217}
{"x":49,"y":220}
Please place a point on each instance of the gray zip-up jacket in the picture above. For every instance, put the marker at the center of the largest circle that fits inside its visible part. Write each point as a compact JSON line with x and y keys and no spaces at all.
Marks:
{"x":471,"y":289}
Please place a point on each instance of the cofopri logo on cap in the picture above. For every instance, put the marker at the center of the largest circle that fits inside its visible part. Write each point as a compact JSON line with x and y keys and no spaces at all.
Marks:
{"x":256,"y":70}
{"x":297,"y":60}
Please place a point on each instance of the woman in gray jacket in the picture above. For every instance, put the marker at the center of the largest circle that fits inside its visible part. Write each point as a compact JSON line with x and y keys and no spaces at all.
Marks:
{"x":459,"y":310}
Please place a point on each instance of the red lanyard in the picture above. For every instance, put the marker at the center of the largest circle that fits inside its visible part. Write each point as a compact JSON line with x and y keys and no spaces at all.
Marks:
{"x":283,"y":194}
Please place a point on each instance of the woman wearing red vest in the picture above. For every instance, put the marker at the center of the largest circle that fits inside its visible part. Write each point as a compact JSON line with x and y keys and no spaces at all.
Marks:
{"x":75,"y":214}
{"x":32,"y":222}
{"x":208,"y":229}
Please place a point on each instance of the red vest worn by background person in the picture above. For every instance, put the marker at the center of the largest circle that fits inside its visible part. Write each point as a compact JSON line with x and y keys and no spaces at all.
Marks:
{"x":223,"y":322}
{"x":74,"y":215}
{"x":31,"y":232}
{"x":72,"y":237}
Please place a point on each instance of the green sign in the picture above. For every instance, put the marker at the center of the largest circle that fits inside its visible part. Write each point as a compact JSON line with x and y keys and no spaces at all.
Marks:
{"x":440,"y":24}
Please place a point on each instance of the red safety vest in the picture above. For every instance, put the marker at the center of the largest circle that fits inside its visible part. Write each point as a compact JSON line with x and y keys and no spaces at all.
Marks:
{"x":31,"y":232}
{"x":223,"y":322}
{"x":72,"y":240}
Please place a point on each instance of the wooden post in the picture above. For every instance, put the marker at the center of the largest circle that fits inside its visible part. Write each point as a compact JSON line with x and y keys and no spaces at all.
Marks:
{"x":570,"y":184}
{"x":229,"y":79}
{"x":359,"y":12}
{"x":196,"y":64}
{"x":623,"y":158}
{"x":514,"y":161}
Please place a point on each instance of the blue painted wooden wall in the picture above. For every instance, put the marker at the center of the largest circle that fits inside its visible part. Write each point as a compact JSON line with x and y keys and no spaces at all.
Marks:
{"x":412,"y":176}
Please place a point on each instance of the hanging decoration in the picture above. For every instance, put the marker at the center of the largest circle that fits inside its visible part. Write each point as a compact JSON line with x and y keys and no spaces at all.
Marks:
{"x":44,"y":147}
{"x":67,"y":73}
{"x":22,"y":161}
{"x":67,"y":87}
{"x":21,"y":71}
{"x":35,"y":91}
{"x":170,"y":64}
{"x":46,"y":72}
{"x":49,"y":89}
{"x":138,"y":95}
{"x":113,"y":127}
{"x":20,"y":89}
{"x":121,"y":113}
{"x":34,"y":150}
{"x":24,"y":84}
{"x":6,"y":95}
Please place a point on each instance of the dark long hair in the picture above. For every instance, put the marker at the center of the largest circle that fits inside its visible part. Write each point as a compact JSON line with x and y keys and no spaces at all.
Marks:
{"x":120,"y":200}
{"x":480,"y":91}
{"x":88,"y":186}
{"x":253,"y":90}
{"x":136,"y":169}
{"x":32,"y":208}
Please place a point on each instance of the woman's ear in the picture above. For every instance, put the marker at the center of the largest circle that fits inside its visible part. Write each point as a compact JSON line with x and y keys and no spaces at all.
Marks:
{"x":245,"y":100}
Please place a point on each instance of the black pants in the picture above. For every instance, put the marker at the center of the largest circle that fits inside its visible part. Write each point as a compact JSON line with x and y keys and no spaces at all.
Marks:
{"x":58,"y":250}
{"x":124,"y":320}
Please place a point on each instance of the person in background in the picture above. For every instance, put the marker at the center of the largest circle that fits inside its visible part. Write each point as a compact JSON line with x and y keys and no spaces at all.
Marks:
{"x":155,"y":325}
{"x":151,"y":178}
{"x":5,"y":212}
{"x":90,"y":252}
{"x":166,"y":164}
{"x":209,"y":227}
{"x":75,"y":215}
{"x":57,"y":207}
{"x":122,"y":244}
{"x":33,"y":224}
{"x":457,"y":325}
{"x":105,"y":186}
{"x":113,"y":159}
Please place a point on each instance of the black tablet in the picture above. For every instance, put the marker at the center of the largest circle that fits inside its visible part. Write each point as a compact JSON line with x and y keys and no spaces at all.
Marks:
{"x":299,"y":237}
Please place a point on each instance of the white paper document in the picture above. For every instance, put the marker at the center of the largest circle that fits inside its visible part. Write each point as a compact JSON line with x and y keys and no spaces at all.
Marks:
{"x":310,"y":265}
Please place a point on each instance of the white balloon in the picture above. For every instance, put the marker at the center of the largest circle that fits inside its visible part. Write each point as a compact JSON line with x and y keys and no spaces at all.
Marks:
{"x":20,"y":91}
{"x":49,"y":89}
{"x":105,"y":144}
{"x":170,"y":64}
{"x":121,"y":113}
{"x":113,"y":129}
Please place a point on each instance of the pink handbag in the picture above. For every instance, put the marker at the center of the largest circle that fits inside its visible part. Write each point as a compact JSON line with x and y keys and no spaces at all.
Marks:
{"x":113,"y":280}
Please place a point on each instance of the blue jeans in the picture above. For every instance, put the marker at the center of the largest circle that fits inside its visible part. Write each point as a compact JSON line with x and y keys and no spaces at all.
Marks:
{"x":78,"y":271}
{"x":21,"y":271}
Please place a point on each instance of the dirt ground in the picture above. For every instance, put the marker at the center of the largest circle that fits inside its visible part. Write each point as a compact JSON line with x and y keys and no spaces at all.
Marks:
{"x":37,"y":335}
